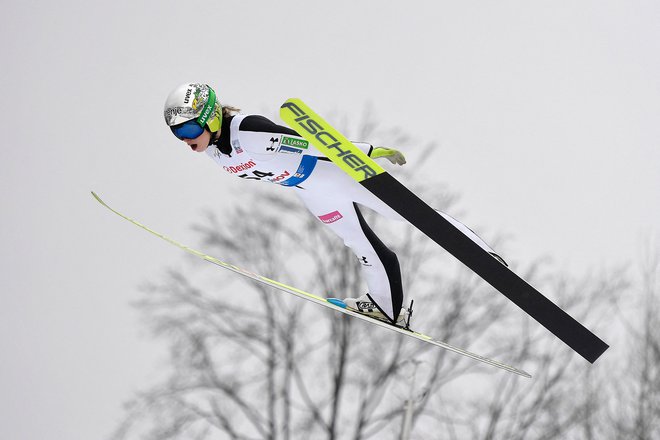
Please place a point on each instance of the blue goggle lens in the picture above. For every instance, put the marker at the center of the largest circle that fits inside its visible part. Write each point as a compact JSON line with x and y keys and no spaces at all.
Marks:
{"x":188,"y":130}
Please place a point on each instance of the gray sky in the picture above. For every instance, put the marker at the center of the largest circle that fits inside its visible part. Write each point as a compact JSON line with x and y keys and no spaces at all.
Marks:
{"x":545,"y":115}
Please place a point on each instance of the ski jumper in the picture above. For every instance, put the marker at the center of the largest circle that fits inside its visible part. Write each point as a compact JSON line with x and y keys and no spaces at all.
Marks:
{"x":253,"y":147}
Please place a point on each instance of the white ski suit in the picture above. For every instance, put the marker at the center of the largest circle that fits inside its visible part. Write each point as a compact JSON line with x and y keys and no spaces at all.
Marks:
{"x":253,"y":147}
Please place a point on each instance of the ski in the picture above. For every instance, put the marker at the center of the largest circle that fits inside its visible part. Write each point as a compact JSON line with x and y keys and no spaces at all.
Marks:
{"x":374,"y":178}
{"x":334,"y":305}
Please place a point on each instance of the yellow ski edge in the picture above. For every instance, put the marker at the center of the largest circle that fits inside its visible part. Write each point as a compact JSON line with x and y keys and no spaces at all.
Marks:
{"x":314,"y":298}
{"x":208,"y":258}
{"x":328,"y":140}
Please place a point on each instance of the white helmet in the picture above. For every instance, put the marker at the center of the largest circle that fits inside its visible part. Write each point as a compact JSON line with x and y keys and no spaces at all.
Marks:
{"x":193,"y":101}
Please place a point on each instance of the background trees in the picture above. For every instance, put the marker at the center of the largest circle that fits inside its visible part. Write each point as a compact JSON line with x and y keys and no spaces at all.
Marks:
{"x":247,"y":362}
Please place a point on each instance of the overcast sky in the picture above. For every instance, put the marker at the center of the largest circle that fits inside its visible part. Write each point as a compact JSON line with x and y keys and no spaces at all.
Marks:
{"x":546,"y":116}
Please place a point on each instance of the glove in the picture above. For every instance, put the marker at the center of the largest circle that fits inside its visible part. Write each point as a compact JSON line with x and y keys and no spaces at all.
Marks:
{"x":394,"y":156}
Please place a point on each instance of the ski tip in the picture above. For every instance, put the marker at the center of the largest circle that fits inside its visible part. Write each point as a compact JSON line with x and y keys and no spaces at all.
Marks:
{"x":99,"y":199}
{"x":337,"y":302}
{"x":291,"y":100}
{"x":293,"y":107}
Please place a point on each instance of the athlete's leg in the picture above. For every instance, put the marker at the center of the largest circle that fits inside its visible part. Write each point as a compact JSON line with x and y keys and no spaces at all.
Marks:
{"x":467,"y":231}
{"x":371,"y":201}
{"x":380,"y":266}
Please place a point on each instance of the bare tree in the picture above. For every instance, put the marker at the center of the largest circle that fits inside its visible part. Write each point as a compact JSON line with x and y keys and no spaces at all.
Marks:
{"x":248,"y":362}
{"x":637,"y":408}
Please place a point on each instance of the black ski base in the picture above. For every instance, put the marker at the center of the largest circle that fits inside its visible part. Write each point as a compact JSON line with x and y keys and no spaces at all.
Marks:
{"x":427,"y":220}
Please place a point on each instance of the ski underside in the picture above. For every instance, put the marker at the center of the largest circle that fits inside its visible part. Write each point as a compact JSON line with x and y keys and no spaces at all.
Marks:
{"x":319,"y":300}
{"x":371,"y":176}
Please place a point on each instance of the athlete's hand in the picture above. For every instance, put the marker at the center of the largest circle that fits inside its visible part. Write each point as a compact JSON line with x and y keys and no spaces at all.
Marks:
{"x":394,"y":156}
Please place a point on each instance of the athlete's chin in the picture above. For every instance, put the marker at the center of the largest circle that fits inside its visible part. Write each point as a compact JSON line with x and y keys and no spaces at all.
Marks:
{"x":198,"y":148}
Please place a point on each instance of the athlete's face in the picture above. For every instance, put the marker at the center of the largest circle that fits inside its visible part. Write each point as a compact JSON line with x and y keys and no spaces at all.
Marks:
{"x":200,"y":143}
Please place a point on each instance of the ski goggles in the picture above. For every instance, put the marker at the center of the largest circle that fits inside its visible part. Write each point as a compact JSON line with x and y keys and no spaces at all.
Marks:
{"x":188,"y":130}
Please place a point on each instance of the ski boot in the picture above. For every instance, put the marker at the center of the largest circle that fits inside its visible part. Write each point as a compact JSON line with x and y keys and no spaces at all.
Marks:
{"x":365,"y":306}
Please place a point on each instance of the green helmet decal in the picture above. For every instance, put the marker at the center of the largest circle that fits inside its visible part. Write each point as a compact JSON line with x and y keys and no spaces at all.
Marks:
{"x":194,"y":101}
{"x":207,"y":110}
{"x":215,"y":123}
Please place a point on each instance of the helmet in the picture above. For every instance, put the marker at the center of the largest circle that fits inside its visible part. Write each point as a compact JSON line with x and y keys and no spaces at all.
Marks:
{"x":193,"y":101}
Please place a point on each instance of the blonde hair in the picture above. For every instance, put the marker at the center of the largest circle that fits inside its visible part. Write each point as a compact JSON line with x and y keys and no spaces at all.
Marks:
{"x":228,"y":110}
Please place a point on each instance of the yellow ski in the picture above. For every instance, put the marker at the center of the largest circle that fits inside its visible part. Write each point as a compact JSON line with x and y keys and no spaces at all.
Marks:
{"x":316,"y":299}
{"x":364,"y":170}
